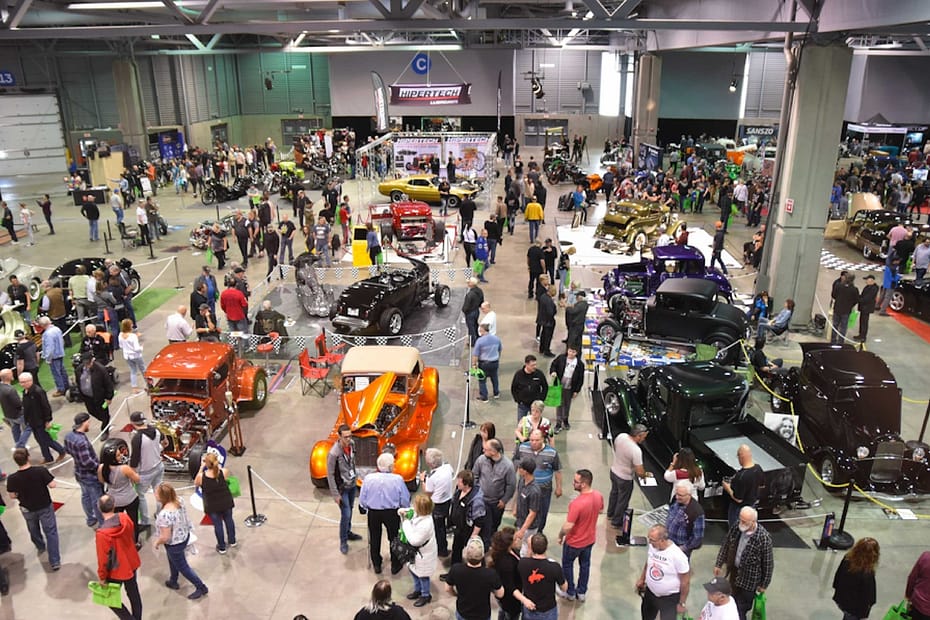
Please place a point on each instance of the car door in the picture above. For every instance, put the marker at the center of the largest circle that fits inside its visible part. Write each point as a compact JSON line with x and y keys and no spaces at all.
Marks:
{"x":815,"y":410}
{"x":921,"y":298}
{"x":852,"y":232}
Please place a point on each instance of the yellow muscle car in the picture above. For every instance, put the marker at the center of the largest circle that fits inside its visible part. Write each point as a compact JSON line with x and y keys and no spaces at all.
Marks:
{"x":425,"y":187}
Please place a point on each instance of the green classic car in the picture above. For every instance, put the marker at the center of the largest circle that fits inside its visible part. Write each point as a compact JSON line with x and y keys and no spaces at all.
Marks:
{"x":632,"y":224}
{"x":425,"y":187}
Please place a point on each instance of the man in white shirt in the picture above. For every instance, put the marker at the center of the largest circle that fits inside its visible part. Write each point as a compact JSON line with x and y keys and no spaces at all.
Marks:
{"x":666,"y":578}
{"x":438,"y":484}
{"x":177,"y":329}
{"x":142,"y":220}
{"x":488,"y":317}
{"x":741,"y":195}
{"x":628,"y":459}
{"x":720,"y":605}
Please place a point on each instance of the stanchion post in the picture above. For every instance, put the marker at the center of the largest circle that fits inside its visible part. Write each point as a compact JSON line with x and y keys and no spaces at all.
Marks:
{"x":217,"y":210}
{"x":109,"y":231}
{"x":841,"y":539}
{"x":177,"y":276}
{"x":106,"y":244}
{"x":151,"y":251}
{"x":255,"y":519}
{"x":467,"y":423}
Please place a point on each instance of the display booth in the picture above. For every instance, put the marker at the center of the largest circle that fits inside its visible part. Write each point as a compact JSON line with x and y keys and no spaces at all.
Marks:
{"x":412,"y":152}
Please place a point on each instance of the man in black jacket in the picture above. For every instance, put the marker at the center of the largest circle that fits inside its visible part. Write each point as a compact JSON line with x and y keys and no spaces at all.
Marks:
{"x":38,"y":415}
{"x":866,"y":306}
{"x":528,"y":384}
{"x":567,"y":371}
{"x":472,"y":307}
{"x":847,"y":297}
{"x":536,"y":265}
{"x":495,"y":236}
{"x":241,"y":228}
{"x":545,"y":320}
{"x":467,"y":213}
{"x":96,"y":389}
{"x":91,"y":211}
{"x":574,"y":320}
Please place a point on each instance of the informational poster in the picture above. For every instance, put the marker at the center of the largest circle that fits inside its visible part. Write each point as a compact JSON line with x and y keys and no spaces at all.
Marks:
{"x":471,"y":150}
{"x":410,"y":152}
{"x":650,"y":156}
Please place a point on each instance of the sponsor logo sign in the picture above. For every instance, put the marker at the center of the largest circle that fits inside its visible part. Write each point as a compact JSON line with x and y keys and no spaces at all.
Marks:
{"x":433,"y":94}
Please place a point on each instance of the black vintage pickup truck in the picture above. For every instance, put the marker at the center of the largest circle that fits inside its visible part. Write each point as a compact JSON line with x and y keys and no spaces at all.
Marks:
{"x":700,"y":405}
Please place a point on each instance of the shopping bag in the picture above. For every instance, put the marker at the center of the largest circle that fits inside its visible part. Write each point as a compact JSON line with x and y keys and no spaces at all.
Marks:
{"x":234,"y":487}
{"x":108,"y":595}
{"x":554,"y":396}
{"x":209,"y":255}
{"x":853,"y":318}
{"x":898,"y":612}
{"x":477,"y":267}
{"x":758,"y":607}
{"x":53,"y":430}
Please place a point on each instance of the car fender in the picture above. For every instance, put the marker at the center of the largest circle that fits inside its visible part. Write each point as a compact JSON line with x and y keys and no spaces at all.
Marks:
{"x":429,"y":388}
{"x":247,"y":372}
{"x":318,"y":457}
{"x":407,"y":460}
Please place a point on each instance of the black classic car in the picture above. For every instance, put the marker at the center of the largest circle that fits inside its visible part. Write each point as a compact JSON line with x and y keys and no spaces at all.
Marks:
{"x":913,"y":297}
{"x":380,"y":303}
{"x":700,"y":405}
{"x":668,"y":261}
{"x":317,"y":299}
{"x":848,"y":406}
{"x":683,"y":310}
{"x":64,"y":271}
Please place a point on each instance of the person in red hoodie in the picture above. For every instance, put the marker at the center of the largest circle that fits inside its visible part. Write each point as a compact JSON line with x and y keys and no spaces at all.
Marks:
{"x":117,"y":558}
{"x":236,"y":307}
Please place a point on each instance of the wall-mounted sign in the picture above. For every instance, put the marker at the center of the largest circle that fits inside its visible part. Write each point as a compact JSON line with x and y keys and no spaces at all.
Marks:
{"x":421,"y":64}
{"x":433,"y":94}
{"x":7,"y":78}
{"x":789,"y":206}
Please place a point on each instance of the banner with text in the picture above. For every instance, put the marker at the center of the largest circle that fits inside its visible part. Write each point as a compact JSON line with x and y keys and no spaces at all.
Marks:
{"x":409,"y":152}
{"x":432,"y":94}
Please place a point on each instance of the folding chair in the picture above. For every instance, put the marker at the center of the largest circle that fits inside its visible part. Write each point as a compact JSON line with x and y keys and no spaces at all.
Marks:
{"x":128,"y":237}
{"x":778,"y":336}
{"x":332,"y":357}
{"x":313,"y":373}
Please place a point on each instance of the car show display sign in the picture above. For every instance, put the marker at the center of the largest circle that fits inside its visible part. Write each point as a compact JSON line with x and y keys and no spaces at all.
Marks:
{"x":409,"y":152}
{"x":431,"y":94}
{"x":469,"y":152}
{"x":650,"y":156}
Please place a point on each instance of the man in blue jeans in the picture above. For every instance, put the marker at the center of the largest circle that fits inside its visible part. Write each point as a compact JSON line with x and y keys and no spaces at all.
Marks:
{"x":30,"y":487}
{"x":578,"y":534}
{"x":85,"y":468}
{"x":486,"y":356}
{"x":53,"y":352}
{"x":342,"y":479}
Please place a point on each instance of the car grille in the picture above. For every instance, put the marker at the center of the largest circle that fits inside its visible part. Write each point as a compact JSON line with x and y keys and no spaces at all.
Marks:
{"x":889,"y":460}
{"x":166,"y":410}
{"x":367,"y":450}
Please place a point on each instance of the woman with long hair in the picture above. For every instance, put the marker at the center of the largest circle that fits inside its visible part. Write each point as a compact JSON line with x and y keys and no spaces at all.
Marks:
{"x":485,"y":431}
{"x":132,"y":352}
{"x":174,"y":529}
{"x":114,"y":471}
{"x":504,"y":557}
{"x":685,"y":467}
{"x":854,"y":581}
{"x":218,"y":501}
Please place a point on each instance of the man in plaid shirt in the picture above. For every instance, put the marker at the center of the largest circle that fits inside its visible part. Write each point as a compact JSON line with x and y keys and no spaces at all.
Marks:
{"x":747,"y":552}
{"x":85,"y":468}
{"x":685,"y":521}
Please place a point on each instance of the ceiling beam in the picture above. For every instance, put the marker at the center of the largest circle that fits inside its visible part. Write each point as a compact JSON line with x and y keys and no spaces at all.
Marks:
{"x":753,"y":29}
{"x":626,"y":9}
{"x":207,"y":13}
{"x":19,"y":11}
{"x":597,"y":9}
{"x":178,"y":13}
{"x":213,"y":41}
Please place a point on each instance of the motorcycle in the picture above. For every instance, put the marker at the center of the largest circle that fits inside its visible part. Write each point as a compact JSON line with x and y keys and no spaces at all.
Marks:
{"x":216,"y":191}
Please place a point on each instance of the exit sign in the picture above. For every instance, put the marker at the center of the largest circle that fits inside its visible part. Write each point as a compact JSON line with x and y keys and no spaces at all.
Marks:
{"x":789,"y":206}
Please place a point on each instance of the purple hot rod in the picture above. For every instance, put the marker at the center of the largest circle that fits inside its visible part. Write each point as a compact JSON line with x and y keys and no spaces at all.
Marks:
{"x":640,"y":280}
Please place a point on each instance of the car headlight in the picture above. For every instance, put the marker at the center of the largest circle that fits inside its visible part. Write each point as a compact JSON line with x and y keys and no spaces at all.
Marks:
{"x":862,"y":452}
{"x":920,"y":454}
{"x":185,"y":438}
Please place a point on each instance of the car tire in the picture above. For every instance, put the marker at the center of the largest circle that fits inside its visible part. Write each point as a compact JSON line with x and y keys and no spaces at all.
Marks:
{"x":442,"y":295}
{"x":452,"y":202}
{"x":387,"y":233}
{"x":897,"y":301}
{"x":616,"y":303}
{"x":135,"y":284}
{"x":638,"y":241}
{"x":867,"y":252}
{"x":721,"y":342}
{"x":439,"y":232}
{"x":608,"y":329}
{"x":828,"y":471}
{"x":391,"y":321}
{"x":259,"y":391}
{"x":195,"y":459}
{"x":162,"y":226}
{"x":397,"y":195}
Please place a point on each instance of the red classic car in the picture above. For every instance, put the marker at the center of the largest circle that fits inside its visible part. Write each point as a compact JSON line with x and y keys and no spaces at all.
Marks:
{"x":388,"y":400}
{"x":407,"y":226}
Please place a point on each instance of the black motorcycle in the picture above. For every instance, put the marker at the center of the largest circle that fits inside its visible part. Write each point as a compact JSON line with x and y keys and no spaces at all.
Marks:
{"x":215,"y":191}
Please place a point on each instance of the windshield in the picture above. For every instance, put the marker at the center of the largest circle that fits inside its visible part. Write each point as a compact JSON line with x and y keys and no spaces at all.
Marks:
{"x":187,"y":387}
{"x":872,"y":410}
{"x":714,"y":412}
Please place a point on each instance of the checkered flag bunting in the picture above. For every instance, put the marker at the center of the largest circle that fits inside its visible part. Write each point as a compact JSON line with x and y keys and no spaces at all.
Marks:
{"x":355,"y":273}
{"x":359,"y":341}
{"x":407,"y":340}
{"x":427,"y":340}
{"x":449,"y":333}
{"x":381,"y":340}
{"x":451,"y":274}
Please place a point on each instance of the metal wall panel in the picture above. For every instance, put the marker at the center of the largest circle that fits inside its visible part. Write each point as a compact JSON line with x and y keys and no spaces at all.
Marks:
{"x":319,"y":81}
{"x":78,"y":92}
{"x":559,"y":82}
{"x":166,"y":90}
{"x":101,"y":72}
{"x":31,"y":138}
{"x":147,"y":90}
{"x":765,"y":84}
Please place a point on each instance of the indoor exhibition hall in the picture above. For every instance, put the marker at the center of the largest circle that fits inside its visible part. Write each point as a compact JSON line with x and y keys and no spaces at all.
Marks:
{"x":433,"y":309}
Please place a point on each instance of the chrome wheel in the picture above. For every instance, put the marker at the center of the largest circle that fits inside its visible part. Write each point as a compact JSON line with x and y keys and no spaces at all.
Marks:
{"x":897,"y":301}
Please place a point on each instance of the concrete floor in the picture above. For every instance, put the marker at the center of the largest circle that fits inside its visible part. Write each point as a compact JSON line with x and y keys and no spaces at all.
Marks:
{"x":292,"y":565}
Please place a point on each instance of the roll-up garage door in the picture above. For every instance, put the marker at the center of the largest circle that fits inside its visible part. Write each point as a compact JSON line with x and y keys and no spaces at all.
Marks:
{"x":31,"y":139}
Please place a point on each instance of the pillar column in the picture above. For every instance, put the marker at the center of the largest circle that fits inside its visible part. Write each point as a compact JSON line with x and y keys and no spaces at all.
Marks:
{"x":646,"y":101}
{"x":129,"y":105}
{"x":813,"y":132}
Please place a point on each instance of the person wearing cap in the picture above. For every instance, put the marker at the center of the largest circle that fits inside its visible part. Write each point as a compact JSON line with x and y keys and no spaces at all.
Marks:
{"x":241,"y":281}
{"x":236,"y":307}
{"x":205,"y":324}
{"x":867,"y":298}
{"x":85,"y":468}
{"x":212,"y":291}
{"x":720,"y":604}
{"x":116,"y":203}
{"x":146,"y":446}
{"x":95,"y":388}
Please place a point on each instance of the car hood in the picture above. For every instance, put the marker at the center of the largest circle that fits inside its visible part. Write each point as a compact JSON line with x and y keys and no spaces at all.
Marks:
{"x":361,"y":408}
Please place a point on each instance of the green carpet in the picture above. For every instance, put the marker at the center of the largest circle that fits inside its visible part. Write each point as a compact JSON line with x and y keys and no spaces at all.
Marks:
{"x":144,"y":304}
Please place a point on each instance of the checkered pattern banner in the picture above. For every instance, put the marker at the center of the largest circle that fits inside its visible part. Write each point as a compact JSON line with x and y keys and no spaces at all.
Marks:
{"x":428,"y":339}
{"x":381,"y":340}
{"x":450,"y":333}
{"x":426,"y":342}
{"x":285,"y":271}
{"x":355,"y":273}
{"x":407,"y":340}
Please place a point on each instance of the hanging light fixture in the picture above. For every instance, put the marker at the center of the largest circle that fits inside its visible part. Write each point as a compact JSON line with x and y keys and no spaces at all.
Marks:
{"x":733,"y":84}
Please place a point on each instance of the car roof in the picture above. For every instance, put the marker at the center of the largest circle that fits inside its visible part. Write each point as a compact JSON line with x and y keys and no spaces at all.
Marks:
{"x":380,"y":359}
{"x":702,"y":381}
{"x":676,"y":252}
{"x":688,"y":286}
{"x":845,"y":366}
{"x":187,"y":360}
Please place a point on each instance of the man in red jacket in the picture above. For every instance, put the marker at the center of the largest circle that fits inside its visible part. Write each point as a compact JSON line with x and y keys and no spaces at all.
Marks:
{"x":236,"y":307}
{"x":117,"y":557}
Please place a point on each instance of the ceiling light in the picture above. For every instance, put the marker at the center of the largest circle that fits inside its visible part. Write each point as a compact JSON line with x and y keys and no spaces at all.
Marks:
{"x":132,"y":4}
{"x":546,"y":65}
{"x":733,"y":84}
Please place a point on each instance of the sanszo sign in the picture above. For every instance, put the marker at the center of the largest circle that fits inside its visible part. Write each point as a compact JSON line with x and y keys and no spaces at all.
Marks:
{"x":759,"y":131}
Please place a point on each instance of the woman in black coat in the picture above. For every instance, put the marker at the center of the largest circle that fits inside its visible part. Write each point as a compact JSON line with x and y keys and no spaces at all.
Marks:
{"x":854,"y":581}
